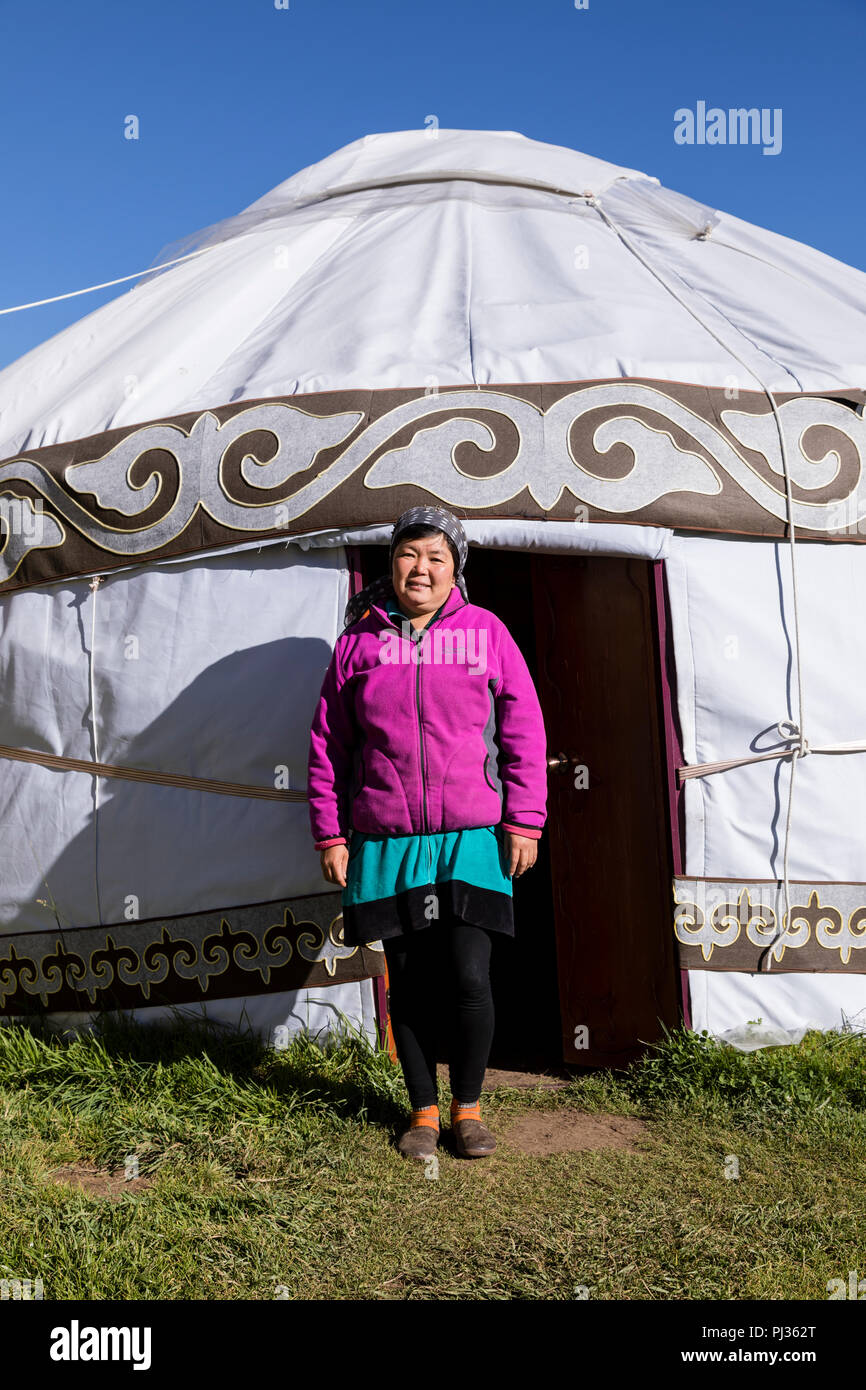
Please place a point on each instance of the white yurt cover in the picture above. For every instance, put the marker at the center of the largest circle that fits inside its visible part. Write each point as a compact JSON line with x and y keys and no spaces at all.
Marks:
{"x":567,"y":353}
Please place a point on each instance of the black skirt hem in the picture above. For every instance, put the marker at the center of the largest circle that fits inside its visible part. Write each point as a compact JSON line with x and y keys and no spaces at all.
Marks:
{"x":406,"y":913}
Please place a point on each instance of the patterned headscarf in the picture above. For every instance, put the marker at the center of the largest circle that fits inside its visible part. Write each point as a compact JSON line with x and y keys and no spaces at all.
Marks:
{"x":381,"y":590}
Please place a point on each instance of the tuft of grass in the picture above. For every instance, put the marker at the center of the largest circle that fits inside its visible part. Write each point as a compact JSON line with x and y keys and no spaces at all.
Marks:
{"x":688,"y":1069}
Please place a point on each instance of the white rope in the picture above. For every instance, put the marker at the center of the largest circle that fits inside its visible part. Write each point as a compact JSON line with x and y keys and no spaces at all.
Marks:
{"x":94,"y":586}
{"x":705,"y":769}
{"x":106,"y":285}
{"x":798,"y":732}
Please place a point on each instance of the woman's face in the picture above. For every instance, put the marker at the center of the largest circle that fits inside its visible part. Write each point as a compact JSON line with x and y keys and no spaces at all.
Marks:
{"x":422,"y":574}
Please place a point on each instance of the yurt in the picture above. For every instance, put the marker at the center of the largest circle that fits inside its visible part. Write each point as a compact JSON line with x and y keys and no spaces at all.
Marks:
{"x":650,"y":417}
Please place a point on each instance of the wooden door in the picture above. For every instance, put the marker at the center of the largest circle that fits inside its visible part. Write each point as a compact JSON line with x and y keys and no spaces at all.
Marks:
{"x":611,"y":862}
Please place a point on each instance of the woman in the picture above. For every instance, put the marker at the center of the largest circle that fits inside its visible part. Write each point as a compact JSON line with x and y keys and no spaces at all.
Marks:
{"x":402,"y":752}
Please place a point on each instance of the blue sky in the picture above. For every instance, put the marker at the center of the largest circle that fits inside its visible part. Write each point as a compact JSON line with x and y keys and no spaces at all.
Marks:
{"x":233,"y":96}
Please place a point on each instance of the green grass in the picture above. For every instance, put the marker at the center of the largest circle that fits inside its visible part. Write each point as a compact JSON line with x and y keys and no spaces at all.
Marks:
{"x":274,"y":1174}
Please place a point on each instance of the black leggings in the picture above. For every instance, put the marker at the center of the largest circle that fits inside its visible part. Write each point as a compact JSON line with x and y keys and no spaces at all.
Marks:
{"x":446,"y":964}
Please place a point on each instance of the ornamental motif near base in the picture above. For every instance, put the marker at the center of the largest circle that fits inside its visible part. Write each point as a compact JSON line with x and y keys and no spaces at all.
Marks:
{"x":731,"y":924}
{"x":260,"y":948}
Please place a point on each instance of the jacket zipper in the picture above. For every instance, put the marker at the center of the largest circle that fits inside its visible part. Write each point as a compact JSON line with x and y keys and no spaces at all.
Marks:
{"x":425,"y":829}
{"x":424,"y":819}
{"x":420,"y":735}
{"x":424,"y":822}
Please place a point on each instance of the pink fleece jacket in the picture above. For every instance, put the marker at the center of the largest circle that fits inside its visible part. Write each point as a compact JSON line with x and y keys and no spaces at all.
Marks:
{"x":421,"y":731}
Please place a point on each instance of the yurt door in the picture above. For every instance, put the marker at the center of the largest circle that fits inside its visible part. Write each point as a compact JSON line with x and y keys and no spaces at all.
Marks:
{"x":599,"y":686}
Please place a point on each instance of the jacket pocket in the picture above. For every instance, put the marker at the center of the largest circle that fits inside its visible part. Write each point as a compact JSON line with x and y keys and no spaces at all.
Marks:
{"x":468,"y":795}
{"x":380,"y":805}
{"x":490,"y":784}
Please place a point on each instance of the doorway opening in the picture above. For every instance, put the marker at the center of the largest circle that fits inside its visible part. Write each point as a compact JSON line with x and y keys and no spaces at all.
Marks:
{"x":589,"y":978}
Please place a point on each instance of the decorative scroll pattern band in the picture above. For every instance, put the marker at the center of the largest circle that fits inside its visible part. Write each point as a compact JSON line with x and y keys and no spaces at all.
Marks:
{"x":741,"y":924}
{"x":660,"y":454}
{"x":260,"y":948}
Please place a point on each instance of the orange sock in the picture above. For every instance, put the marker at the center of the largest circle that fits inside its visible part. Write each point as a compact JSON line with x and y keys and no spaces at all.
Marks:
{"x":427,"y":1115}
{"x":461,"y":1110}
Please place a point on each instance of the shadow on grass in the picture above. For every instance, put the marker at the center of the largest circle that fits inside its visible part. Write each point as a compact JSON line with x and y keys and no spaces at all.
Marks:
{"x":345,"y":1072}
{"x":347,"y":1075}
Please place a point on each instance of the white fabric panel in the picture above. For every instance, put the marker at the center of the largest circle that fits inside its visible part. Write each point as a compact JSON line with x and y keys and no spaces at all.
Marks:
{"x":272,"y":1018}
{"x":474,"y":280}
{"x":44,"y":679}
{"x":209,"y":667}
{"x":724,"y":1002}
{"x":796,"y":314}
{"x":231,"y":651}
{"x":732,"y":621}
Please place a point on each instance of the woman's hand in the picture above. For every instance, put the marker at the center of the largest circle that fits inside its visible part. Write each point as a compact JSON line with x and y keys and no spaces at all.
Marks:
{"x":334,"y":861}
{"x":521,"y":852}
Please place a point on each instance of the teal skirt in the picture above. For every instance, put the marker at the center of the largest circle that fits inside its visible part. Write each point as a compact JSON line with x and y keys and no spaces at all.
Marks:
{"x":398,"y":884}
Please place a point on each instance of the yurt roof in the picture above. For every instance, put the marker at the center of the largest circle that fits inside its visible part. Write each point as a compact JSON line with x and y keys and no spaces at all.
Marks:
{"x":458,"y":257}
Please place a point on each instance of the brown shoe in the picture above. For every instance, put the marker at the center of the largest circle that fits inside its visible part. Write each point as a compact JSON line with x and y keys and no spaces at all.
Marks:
{"x":418,"y":1142}
{"x":472,"y":1139}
